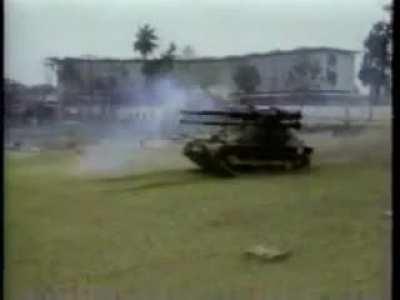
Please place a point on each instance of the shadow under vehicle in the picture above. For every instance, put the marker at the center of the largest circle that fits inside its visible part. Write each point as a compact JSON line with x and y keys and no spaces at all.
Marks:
{"x":247,"y":138}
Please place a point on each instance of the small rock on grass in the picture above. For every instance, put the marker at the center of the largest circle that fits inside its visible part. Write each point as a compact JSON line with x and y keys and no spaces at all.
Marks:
{"x":266,"y":254}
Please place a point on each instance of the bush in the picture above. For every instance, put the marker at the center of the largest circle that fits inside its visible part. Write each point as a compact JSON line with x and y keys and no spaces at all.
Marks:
{"x":247,"y":78}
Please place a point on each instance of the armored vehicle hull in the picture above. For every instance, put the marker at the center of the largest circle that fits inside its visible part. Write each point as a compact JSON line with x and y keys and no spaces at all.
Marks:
{"x":260,"y":138}
{"x":228,"y":159}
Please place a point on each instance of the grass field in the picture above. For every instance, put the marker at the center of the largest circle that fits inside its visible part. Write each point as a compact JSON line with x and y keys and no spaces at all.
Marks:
{"x":164,"y":226}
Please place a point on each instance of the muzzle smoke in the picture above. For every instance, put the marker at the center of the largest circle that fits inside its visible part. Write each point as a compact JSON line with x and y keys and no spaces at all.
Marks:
{"x":138,"y":123}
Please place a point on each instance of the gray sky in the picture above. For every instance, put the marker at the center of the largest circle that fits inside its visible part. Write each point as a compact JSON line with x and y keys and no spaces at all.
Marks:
{"x":35,"y":29}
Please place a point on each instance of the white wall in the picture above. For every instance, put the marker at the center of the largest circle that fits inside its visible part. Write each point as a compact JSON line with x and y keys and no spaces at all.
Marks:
{"x":274,"y":70}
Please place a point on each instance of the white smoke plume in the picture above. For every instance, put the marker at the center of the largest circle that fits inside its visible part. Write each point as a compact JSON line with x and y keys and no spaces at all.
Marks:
{"x":156,"y":116}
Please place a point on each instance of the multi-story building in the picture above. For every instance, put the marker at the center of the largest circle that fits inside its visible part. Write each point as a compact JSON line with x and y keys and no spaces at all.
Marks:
{"x":98,"y":78}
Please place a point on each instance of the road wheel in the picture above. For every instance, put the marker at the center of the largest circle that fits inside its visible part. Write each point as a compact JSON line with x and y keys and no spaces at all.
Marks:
{"x":305,"y":161}
{"x":289,"y":165}
{"x":224,"y":164}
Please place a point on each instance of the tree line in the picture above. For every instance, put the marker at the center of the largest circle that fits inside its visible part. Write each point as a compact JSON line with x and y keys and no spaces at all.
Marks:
{"x":375,"y":69}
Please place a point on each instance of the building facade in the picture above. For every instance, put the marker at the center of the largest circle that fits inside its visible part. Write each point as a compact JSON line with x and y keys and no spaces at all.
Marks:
{"x":91,"y":76}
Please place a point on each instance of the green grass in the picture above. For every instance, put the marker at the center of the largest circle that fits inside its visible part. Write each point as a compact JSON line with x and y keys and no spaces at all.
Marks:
{"x":178,"y":229}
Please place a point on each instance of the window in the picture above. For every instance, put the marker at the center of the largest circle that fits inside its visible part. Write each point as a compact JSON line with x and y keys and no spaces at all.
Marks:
{"x":332,"y":60}
{"x":331,"y":77}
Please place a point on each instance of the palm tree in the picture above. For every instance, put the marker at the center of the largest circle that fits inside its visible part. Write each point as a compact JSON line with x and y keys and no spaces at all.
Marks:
{"x":145,"y":41}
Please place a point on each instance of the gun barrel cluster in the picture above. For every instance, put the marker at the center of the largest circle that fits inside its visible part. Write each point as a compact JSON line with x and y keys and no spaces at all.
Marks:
{"x":262,"y":118}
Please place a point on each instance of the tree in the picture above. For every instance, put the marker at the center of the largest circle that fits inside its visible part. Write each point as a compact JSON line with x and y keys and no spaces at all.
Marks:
{"x":246,"y":78}
{"x":375,"y":69}
{"x":42,"y":89}
{"x":188,"y":52}
{"x":388,"y":7}
{"x":12,"y":86}
{"x":303,"y":74}
{"x":169,"y":54}
{"x":13,"y":96}
{"x":145,"y":41}
{"x":160,"y":66}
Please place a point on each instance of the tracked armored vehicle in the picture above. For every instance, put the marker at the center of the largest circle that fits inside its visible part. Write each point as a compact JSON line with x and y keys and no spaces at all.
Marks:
{"x":247,"y":138}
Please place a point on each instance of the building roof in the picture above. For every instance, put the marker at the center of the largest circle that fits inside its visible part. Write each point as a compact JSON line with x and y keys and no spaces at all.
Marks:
{"x":211,"y":58}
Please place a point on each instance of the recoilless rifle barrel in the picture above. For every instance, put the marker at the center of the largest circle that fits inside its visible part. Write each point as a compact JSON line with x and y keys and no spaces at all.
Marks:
{"x":268,"y":124}
{"x":276,"y":114}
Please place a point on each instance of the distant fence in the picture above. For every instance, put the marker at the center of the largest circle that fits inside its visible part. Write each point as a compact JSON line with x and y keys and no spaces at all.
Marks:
{"x":341,"y":112}
{"x":55,"y":134}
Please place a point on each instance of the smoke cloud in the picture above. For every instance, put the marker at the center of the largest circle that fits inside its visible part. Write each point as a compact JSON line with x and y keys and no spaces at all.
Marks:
{"x":155,"y":117}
